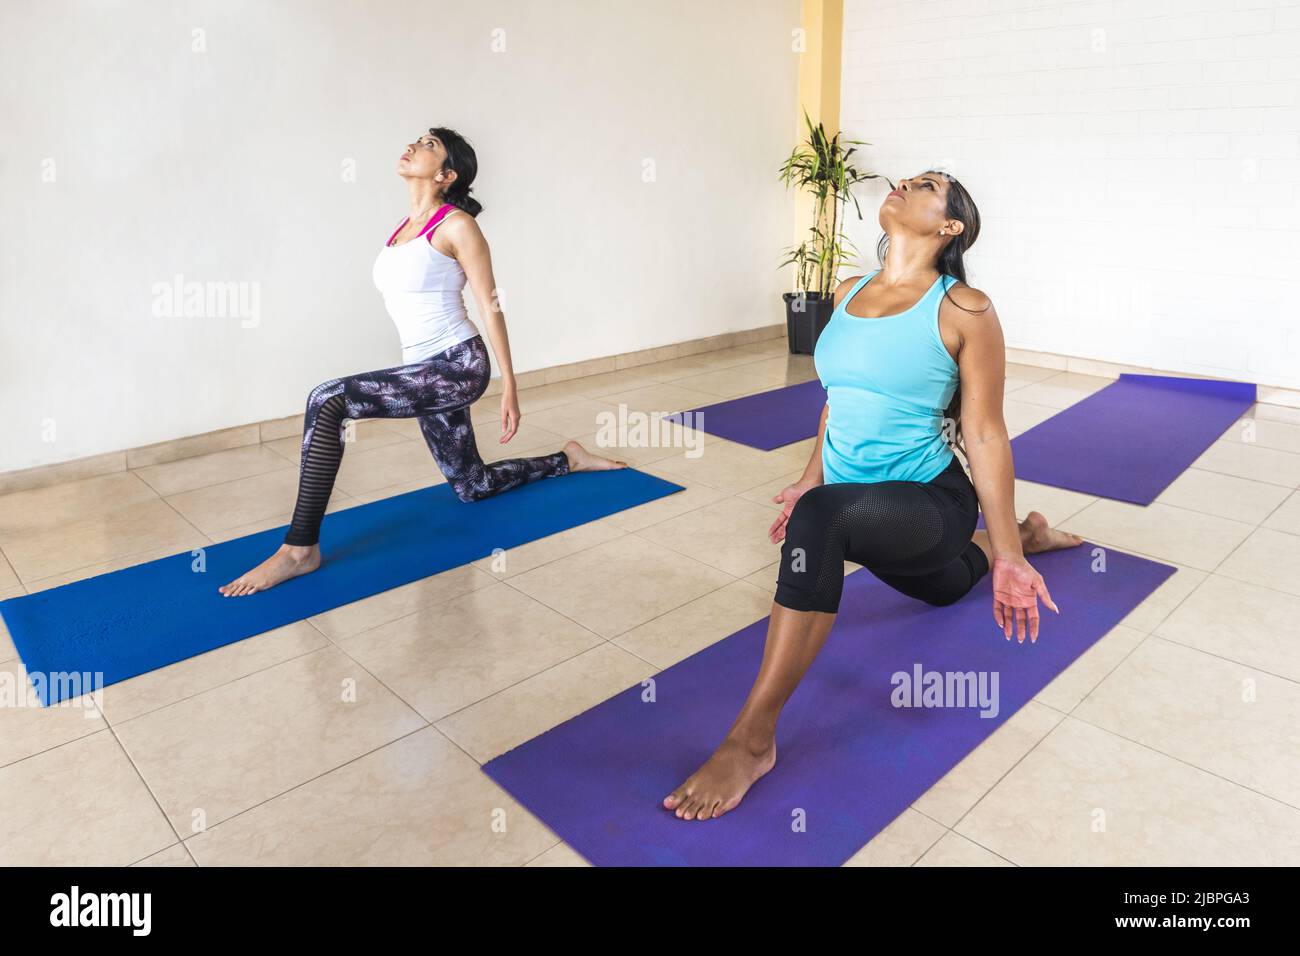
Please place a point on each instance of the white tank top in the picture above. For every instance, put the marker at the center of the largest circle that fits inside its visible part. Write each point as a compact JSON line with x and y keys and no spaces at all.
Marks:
{"x":422,"y":291}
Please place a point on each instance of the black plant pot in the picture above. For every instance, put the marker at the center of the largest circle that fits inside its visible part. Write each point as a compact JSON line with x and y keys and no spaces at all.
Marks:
{"x":806,"y":314}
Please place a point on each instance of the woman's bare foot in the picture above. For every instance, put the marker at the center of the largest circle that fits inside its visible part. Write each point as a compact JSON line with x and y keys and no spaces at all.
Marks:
{"x":725,"y":778}
{"x":582,"y":460}
{"x":1037,"y":535}
{"x":289,"y":562}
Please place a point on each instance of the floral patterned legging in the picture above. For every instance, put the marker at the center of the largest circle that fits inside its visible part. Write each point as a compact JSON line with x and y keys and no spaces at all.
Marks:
{"x":437,"y":391}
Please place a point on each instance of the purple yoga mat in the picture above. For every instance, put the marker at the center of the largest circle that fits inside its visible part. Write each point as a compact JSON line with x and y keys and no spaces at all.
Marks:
{"x":849,"y":761}
{"x":1130,"y":440}
{"x":767,"y":420}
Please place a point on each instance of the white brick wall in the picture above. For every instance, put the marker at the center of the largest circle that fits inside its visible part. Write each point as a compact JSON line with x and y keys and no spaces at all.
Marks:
{"x":1134,"y":162}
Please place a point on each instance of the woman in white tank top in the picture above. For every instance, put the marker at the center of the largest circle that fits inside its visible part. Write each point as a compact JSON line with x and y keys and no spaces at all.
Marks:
{"x":421,"y":271}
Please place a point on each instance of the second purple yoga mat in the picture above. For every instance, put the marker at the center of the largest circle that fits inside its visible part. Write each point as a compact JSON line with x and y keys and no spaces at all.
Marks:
{"x":849,"y":761}
{"x":765,"y":421}
{"x":1130,"y":440}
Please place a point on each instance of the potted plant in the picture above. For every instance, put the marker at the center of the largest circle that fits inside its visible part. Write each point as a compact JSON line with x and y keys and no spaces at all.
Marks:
{"x":820,"y":166}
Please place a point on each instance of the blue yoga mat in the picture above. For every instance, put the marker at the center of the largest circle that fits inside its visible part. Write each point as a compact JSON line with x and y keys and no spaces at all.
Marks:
{"x":765,"y":421}
{"x":1131,"y":439}
{"x":141,"y":618}
{"x":848,"y":760}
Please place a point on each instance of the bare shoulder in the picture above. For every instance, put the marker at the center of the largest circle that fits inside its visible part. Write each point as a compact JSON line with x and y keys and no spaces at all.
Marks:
{"x":969,"y":299}
{"x":461,"y":235}
{"x":969,"y":325}
{"x":459,"y":224}
{"x":844,"y":287}
{"x":967,"y":310}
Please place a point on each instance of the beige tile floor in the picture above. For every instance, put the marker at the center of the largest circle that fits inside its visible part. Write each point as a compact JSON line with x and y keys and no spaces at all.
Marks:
{"x":355,"y":737}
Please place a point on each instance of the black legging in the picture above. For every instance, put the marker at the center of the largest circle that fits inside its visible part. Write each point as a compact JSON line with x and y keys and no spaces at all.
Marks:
{"x":913,"y":535}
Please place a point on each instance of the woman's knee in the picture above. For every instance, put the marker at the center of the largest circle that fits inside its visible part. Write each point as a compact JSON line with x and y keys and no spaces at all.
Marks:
{"x":803,"y":583}
{"x":467,"y":489}
{"x":811,"y":515}
{"x":323,"y":393}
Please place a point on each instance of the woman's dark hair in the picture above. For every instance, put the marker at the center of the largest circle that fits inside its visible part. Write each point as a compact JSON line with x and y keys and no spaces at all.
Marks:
{"x":460,"y":159}
{"x":962,"y":208}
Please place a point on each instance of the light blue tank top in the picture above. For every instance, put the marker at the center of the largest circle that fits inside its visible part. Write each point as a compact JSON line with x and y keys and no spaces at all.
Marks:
{"x":888,"y":381}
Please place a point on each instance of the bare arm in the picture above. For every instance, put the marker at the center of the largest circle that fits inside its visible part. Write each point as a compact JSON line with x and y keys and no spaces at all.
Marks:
{"x":470,"y":247}
{"x":812,"y":477}
{"x":982,"y":365}
{"x":812,"y":474}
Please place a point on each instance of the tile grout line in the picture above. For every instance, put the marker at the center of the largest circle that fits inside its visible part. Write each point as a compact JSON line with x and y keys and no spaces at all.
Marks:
{"x":1186,"y":763}
{"x":1155,"y":627}
{"x":312,"y":779}
{"x":1227,"y":660}
{"x":1006,"y":773}
{"x":149,"y":789}
{"x":330,"y":645}
{"x":1125,"y":549}
{"x":920,"y":855}
{"x":110,"y":725}
{"x":558,"y":842}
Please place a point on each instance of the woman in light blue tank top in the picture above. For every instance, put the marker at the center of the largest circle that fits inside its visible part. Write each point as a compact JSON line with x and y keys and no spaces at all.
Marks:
{"x":888,"y":380}
{"x":883,"y":487}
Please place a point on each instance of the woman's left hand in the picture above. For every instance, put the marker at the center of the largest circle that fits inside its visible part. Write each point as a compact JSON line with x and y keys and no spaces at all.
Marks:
{"x":1016,"y":589}
{"x":509,"y":415}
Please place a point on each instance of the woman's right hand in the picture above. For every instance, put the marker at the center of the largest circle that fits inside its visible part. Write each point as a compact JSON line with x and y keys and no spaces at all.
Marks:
{"x":1017,"y":586}
{"x":787,"y":497}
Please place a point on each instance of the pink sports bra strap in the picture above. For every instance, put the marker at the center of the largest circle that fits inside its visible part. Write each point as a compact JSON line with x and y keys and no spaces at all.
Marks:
{"x":436,"y":218}
{"x":442,"y":213}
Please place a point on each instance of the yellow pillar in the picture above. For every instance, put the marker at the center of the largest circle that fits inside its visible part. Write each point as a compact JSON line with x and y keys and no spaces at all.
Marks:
{"x":819,"y":84}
